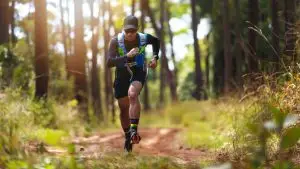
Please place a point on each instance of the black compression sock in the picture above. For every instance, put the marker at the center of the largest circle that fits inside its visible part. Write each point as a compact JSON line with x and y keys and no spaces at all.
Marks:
{"x":126,"y":129}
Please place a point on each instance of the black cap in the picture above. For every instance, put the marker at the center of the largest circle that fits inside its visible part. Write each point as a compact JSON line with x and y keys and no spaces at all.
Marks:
{"x":131,"y":22}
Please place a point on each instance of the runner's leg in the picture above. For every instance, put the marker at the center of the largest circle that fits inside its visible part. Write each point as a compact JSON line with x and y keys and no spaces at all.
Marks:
{"x":135,"y":106}
{"x":124,"y":113}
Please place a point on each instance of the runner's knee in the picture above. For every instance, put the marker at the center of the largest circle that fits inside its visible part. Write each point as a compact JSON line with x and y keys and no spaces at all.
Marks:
{"x":132,"y":96}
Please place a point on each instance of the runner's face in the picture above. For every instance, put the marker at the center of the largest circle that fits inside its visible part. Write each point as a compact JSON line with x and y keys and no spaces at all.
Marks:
{"x":130,"y":34}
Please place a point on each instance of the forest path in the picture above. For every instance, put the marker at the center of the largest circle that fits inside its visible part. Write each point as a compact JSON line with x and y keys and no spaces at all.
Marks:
{"x":164,"y":142}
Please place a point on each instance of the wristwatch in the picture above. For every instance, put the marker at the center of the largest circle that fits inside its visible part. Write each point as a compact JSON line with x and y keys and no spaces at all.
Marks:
{"x":156,"y":57}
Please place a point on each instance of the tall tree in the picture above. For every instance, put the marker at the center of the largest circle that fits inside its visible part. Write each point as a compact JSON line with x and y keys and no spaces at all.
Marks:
{"x":146,"y":88}
{"x":238,"y":42}
{"x":41,"y":49}
{"x":217,"y":49}
{"x":69,"y":29}
{"x":154,"y":24}
{"x":110,"y":81}
{"x":12,"y":18}
{"x":198,"y":71}
{"x":151,"y":16}
{"x":227,"y":55}
{"x":106,"y":41}
{"x":253,"y":12}
{"x":4,"y":21}
{"x":95,"y":84}
{"x":164,"y":69}
{"x":275,"y":30}
{"x":107,"y":25}
{"x":171,"y":35}
{"x":63,"y":33}
{"x":163,"y":54}
{"x":133,"y":7}
{"x":290,"y":33}
{"x":79,"y":60}
{"x":207,"y":71}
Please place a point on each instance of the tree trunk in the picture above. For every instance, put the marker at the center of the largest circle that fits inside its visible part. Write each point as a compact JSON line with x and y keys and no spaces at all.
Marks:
{"x":70,"y":40}
{"x":63,"y":34}
{"x":253,"y":18}
{"x":290,"y":33}
{"x":207,"y":67}
{"x":106,"y":69}
{"x":172,"y":46}
{"x":198,"y":72}
{"x":146,"y":89}
{"x":227,"y":54}
{"x":4,"y":21}
{"x":95,"y":84}
{"x":110,"y":81}
{"x":163,"y":56}
{"x":238,"y":41}
{"x":152,"y":18}
{"x":41,"y":49}
{"x":149,"y":12}
{"x":109,"y":97}
{"x":79,"y":60}
{"x":13,"y":24}
{"x":218,"y":82}
{"x":275,"y":31}
{"x":164,"y":61}
{"x":132,"y":7}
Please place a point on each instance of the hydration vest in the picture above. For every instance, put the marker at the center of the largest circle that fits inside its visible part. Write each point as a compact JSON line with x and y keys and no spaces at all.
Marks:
{"x":142,"y":42}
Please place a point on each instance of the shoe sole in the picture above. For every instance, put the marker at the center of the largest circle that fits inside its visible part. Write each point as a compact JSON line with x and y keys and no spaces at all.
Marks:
{"x":135,"y":139}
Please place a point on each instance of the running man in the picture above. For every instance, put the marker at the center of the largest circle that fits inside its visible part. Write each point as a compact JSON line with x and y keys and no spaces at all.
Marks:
{"x":127,"y":54}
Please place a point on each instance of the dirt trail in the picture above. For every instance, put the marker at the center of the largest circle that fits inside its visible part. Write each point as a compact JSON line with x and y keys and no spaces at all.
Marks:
{"x":155,"y":141}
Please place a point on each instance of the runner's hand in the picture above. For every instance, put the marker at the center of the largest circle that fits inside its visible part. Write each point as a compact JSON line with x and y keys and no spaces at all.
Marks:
{"x":153,"y":63}
{"x":132,"y":52}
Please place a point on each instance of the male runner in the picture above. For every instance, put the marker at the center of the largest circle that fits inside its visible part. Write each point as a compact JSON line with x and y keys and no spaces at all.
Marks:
{"x":127,"y":54}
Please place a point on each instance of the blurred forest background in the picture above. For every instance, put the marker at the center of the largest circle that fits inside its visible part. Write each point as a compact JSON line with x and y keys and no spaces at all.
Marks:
{"x":228,"y":77}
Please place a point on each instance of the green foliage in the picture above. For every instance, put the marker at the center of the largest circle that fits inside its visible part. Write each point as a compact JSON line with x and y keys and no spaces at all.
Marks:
{"x":181,"y":31}
{"x":287,"y":138}
{"x":290,"y":137}
{"x":206,"y":124}
{"x":43,"y":113}
{"x":275,"y":132}
{"x":8,"y":62}
{"x":206,"y":7}
{"x":278,"y":115}
{"x":186,"y":76}
{"x":21,"y":122}
{"x":61,"y":90}
{"x":48,"y":136}
{"x":16,"y":69}
{"x":16,"y":164}
{"x":10,"y":122}
{"x":186,"y":89}
{"x":180,"y":9}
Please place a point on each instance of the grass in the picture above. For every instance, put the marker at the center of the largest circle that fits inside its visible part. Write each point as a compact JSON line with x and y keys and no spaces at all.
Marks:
{"x":49,"y":136}
{"x":122,"y":161}
{"x":209,"y":124}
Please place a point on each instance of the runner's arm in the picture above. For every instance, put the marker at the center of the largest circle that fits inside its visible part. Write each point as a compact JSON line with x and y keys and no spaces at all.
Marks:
{"x":113,"y":59}
{"x":155,"y":42}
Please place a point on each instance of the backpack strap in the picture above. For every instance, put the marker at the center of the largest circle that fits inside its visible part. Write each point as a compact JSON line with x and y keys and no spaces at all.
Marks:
{"x":143,"y":39}
{"x":121,"y":45}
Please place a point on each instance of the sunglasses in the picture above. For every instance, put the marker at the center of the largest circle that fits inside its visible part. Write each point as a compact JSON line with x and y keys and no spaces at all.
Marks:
{"x":130,"y":31}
